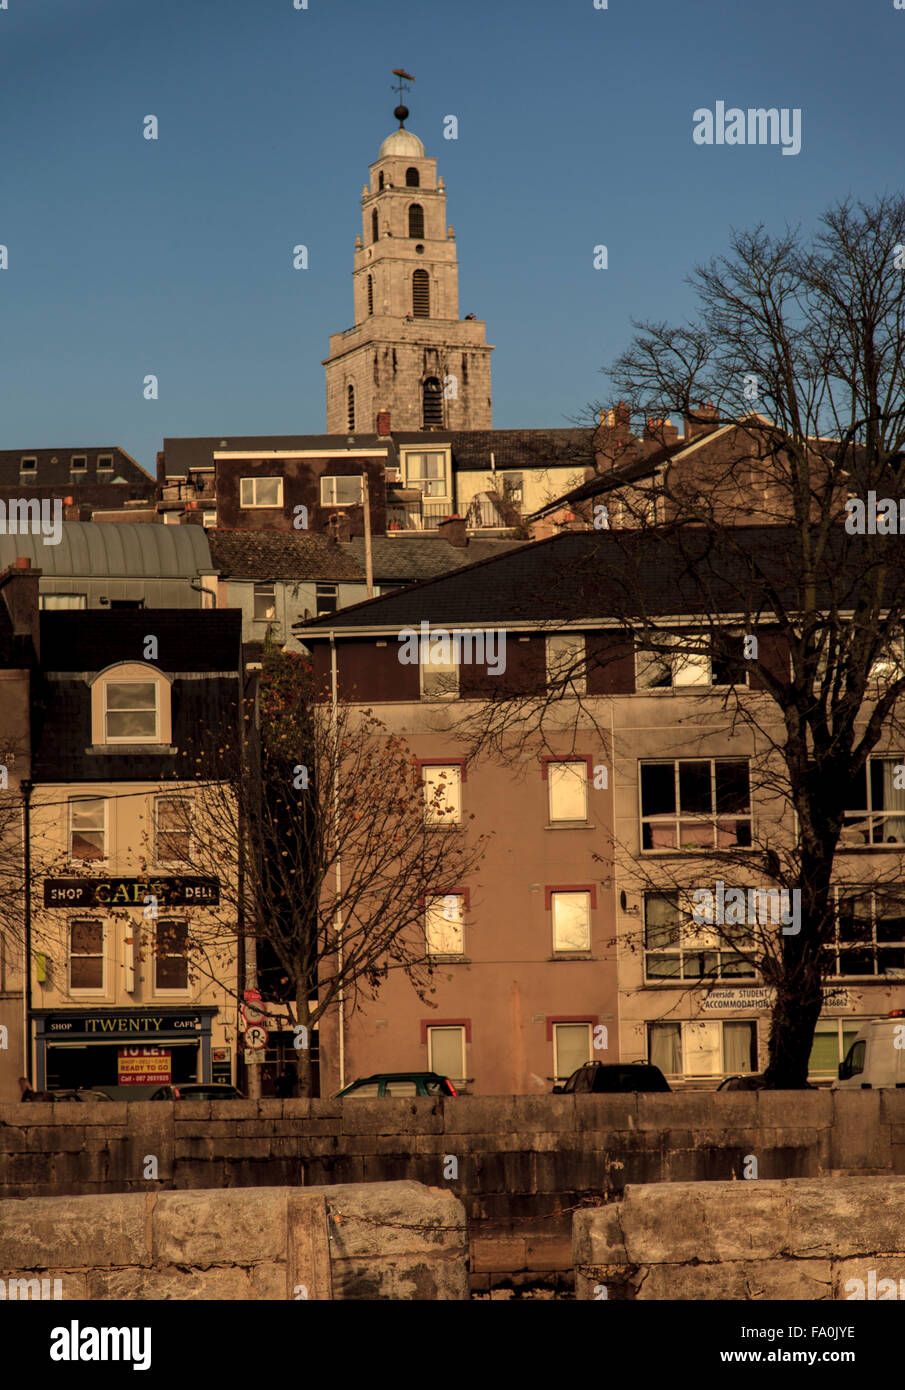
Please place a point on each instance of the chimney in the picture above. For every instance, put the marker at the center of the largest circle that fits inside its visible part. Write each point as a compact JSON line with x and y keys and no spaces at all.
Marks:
{"x":703,"y":419}
{"x":383,"y":422}
{"x":661,"y":432}
{"x":19,"y":591}
{"x":613,"y":436}
{"x":339,"y":526}
{"x":453,"y":530}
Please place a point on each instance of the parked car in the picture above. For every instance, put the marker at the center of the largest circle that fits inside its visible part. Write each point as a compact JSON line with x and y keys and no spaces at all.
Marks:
{"x":82,"y":1093}
{"x":876,"y":1056}
{"x":598,"y":1078}
{"x":753,"y":1082}
{"x":198,"y":1090}
{"x":398,"y":1083}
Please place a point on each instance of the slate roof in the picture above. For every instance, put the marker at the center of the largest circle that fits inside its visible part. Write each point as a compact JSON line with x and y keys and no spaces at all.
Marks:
{"x":406,"y":561}
{"x":548,"y":448}
{"x":58,"y":474}
{"x":188,"y":639}
{"x":598,"y":575}
{"x":182,"y":456}
{"x":270,"y":555}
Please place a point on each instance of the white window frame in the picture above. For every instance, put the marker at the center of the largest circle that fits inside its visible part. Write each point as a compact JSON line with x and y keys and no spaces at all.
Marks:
{"x":555,"y":896}
{"x":46,"y":607}
{"x":419,"y":480}
{"x":558,"y":663}
{"x":436,"y":908}
{"x":446,"y":673}
{"x":105,"y":463}
{"x":78,"y":463}
{"x":452,"y":772}
{"x":868,"y":815}
{"x":158,"y":801}
{"x":254,"y":504}
{"x":341,"y":477}
{"x":105,"y":710}
{"x":692,"y":940}
{"x":81,"y":991}
{"x":678,"y":817}
{"x":258,"y":591}
{"x":181,"y":990}
{"x":685,"y":1026}
{"x":559,"y":1076}
{"x":28,"y":463}
{"x":554,"y":772}
{"x":78,"y":859}
{"x":447,"y":1028}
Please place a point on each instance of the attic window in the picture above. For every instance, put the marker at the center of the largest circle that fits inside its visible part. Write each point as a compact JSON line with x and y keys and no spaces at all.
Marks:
{"x":28,"y":465}
{"x":79,"y":463}
{"x":105,"y":463}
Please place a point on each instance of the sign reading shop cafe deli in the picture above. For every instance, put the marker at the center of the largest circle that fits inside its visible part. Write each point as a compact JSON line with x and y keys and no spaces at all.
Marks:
{"x":131,"y":892}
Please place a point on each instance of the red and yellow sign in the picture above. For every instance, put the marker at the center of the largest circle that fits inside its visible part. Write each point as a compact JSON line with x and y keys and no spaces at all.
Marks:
{"x":144,"y":1066}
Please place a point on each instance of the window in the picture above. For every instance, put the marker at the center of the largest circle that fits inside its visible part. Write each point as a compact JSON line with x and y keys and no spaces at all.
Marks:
{"x":28,"y":464}
{"x":171,"y":962}
{"x":565,"y":662}
{"x":678,"y":948}
{"x":105,"y":463}
{"x":439,"y":670}
{"x":325,"y":599}
{"x":571,"y":921}
{"x":446,"y":1053}
{"x":868,"y":935}
{"x":261,"y":492}
{"x":421,"y":295}
{"x":832,"y":1041}
{"x":431,"y":404}
{"x":55,"y":602}
{"x":173,"y":829}
{"x":380,"y":181}
{"x":86,"y":957}
{"x":416,"y":222}
{"x":265,"y":600}
{"x":571,"y":1049}
{"x":703,"y":1048}
{"x":208,"y":519}
{"x":375,"y":228}
{"x":370,"y":294}
{"x":512,"y":487}
{"x":350,"y":408}
{"x":79,"y":463}
{"x":412,"y":178}
{"x":343,"y":490}
{"x":875,"y":813}
{"x":855,"y":1058}
{"x":444,"y":926}
{"x":697,"y":803}
{"x":130,"y":711}
{"x":87,"y":828}
{"x":428,"y":473}
{"x":567,"y":791}
{"x":683,"y":667}
{"x":442,"y":794}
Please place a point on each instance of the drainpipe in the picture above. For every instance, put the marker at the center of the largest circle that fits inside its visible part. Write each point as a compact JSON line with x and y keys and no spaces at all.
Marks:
{"x":369,"y":565}
{"x":26,"y":786}
{"x":339,"y":873}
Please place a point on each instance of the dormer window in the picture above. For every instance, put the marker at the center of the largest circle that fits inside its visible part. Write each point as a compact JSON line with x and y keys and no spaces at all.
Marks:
{"x":130,"y":709}
{"x":105,"y":463}
{"x":79,"y":463}
{"x":28,"y":465}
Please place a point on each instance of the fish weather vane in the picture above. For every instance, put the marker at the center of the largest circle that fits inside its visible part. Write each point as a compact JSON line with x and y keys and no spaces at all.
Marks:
{"x":401,"y":112}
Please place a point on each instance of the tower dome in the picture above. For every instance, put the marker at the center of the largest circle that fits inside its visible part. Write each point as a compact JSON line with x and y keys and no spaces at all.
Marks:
{"x":403,"y":143}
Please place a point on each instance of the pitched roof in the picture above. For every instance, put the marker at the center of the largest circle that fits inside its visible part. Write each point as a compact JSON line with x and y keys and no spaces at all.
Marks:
{"x":406,"y":561}
{"x":182,"y":456}
{"x":280,"y":555}
{"x":54,"y":467}
{"x":548,"y":448}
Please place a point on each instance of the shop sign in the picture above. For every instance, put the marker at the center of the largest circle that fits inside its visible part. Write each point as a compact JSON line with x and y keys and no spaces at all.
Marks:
{"x":754,"y":997}
{"x":111,"y":1023}
{"x":144,"y":1066}
{"x":131,"y":892}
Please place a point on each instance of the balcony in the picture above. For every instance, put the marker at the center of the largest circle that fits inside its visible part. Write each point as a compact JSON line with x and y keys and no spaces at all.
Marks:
{"x":407,"y":510}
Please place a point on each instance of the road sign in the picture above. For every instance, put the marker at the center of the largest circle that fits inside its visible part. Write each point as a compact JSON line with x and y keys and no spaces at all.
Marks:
{"x":256,"y":1037}
{"x":252,"y":994}
{"x":253,"y":1058}
{"x":254,"y":1014}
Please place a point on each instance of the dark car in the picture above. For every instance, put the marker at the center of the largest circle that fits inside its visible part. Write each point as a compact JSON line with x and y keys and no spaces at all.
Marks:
{"x":198,"y":1090}
{"x":398,"y":1083}
{"x":753,"y":1082}
{"x":600,"y":1078}
{"x":82,"y":1093}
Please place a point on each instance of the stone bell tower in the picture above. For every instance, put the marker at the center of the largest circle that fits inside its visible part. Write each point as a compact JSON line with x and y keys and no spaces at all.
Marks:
{"x":408,"y":351}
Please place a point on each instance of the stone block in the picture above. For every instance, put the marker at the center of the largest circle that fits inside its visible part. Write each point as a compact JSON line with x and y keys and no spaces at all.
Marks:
{"x":393,"y":1116}
{"x":845,"y":1216}
{"x":74,"y":1232}
{"x":749,"y":1281}
{"x":308,"y":1258}
{"x":870,"y":1271}
{"x":480,"y":1115}
{"x":219,"y":1227}
{"x":181,"y":1285}
{"x":495,"y":1254}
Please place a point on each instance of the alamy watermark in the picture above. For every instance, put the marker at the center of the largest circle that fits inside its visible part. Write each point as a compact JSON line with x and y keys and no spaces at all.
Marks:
{"x":27,"y":516}
{"x":462,"y":646}
{"x":759,"y":125}
{"x":741,"y":907}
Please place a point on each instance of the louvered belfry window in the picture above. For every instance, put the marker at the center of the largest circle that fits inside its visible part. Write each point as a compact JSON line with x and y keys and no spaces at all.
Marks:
{"x":416,"y":221}
{"x":370,"y":295}
{"x":374,"y":225}
{"x":431,"y":404}
{"x":350,"y":396}
{"x":421,"y":294}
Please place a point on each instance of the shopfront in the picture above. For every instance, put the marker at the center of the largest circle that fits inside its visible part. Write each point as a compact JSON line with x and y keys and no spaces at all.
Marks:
{"x":82,"y":1048}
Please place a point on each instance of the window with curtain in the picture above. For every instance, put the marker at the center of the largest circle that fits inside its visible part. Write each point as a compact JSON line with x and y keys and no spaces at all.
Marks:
{"x":875,"y":804}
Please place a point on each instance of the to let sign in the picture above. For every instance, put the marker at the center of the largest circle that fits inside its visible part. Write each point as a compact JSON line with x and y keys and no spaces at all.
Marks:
{"x":144,"y":1066}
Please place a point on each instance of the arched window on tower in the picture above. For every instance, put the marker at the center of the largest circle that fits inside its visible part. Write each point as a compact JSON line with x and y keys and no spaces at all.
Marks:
{"x":374,"y":225}
{"x":370,"y":294}
{"x":421,"y":295}
{"x":416,"y":221}
{"x":380,"y":182}
{"x":431,"y":404}
{"x":350,"y":403}
{"x":412,"y":178}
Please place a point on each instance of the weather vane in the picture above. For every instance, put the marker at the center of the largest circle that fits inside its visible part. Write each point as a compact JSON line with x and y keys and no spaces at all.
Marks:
{"x":401,"y":112}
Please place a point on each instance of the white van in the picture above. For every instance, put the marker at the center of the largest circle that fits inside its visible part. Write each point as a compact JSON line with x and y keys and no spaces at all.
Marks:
{"x":876,"y":1056}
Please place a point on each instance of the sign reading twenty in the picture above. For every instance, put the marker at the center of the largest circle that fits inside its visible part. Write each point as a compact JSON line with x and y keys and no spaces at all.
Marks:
{"x":131,"y":892}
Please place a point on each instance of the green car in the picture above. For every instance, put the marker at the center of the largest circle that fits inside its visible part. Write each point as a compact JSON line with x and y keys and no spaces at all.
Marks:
{"x":399,"y":1084}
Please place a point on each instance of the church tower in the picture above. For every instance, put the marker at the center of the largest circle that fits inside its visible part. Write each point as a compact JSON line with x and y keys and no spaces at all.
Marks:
{"x":408,"y":351}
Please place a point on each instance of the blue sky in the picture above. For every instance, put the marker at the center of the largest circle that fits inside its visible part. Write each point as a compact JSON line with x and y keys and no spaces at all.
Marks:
{"x":173,"y":257}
